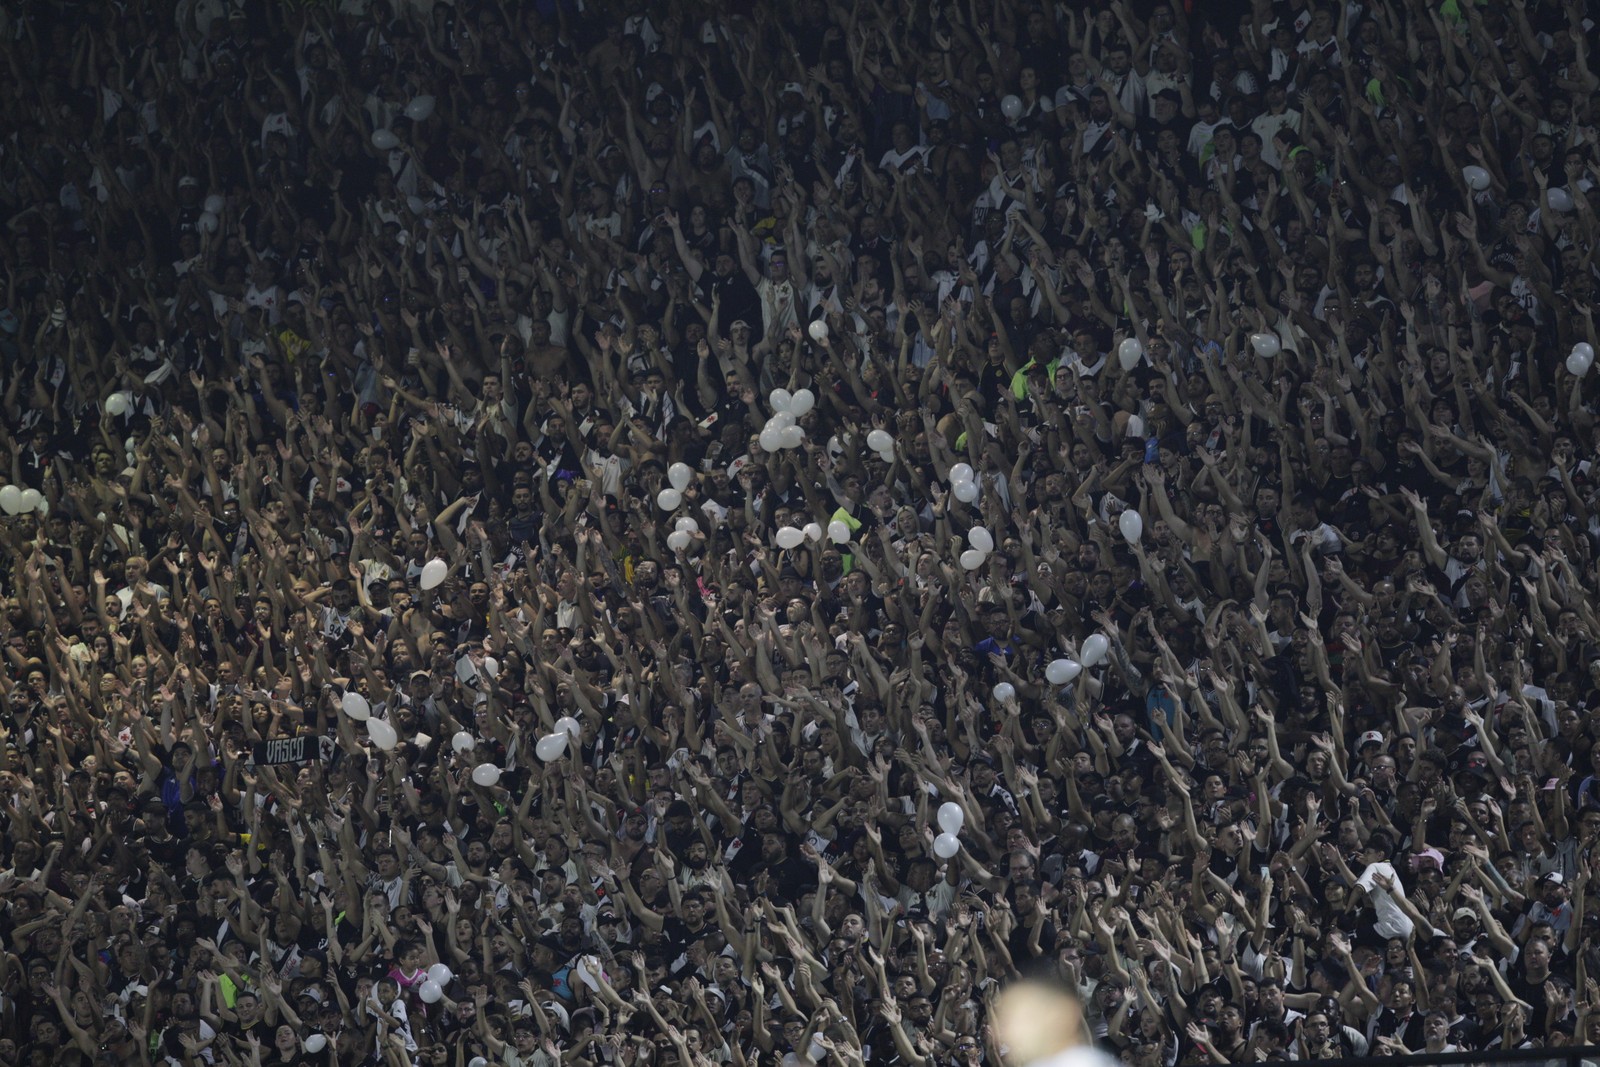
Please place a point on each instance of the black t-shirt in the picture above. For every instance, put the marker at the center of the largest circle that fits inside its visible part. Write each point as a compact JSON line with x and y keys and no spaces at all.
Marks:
{"x":679,"y":937}
{"x":739,"y":299}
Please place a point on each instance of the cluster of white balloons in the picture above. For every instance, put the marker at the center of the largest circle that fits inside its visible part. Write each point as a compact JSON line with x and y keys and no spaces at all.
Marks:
{"x":963,"y":483}
{"x":793,"y":536}
{"x":982,"y":543}
{"x":552,"y":747}
{"x":1130,"y":352}
{"x":882,"y":444}
{"x":383,"y":736}
{"x":1580,"y":359}
{"x":683,"y":533}
{"x":951,"y":820}
{"x":210,"y":218}
{"x":781,"y":430}
{"x":679,"y":475}
{"x":484,"y":774}
{"x":432,"y":988}
{"x":1266,"y":345}
{"x":417,"y":111}
{"x":15,"y":500}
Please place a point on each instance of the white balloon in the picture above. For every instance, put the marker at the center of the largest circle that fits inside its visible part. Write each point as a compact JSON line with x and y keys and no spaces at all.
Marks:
{"x":687,"y":525}
{"x":981,"y":539}
{"x":383,"y":735}
{"x":1093,"y":650}
{"x":802,"y":402}
{"x":789,"y":537}
{"x":441,"y":973}
{"x":1477,"y":178}
{"x":316,"y":1042}
{"x":1011,"y":106}
{"x":551,"y":746}
{"x":966,"y":492}
{"x":117,"y":404}
{"x":1586,"y":348}
{"x":485,"y":774}
{"x":961,"y":472}
{"x":1135,"y":426}
{"x":571,"y":727}
{"x":463,"y":741}
{"x":668,"y":499}
{"x":780,"y":400}
{"x":680,"y":475}
{"x":678,"y":540}
{"x":477,"y":1061}
{"x":31,"y":499}
{"x":384,"y":139}
{"x":792,"y":437}
{"x":42,"y":507}
{"x":839,"y":531}
{"x":1266,"y":344}
{"x":419,"y":109}
{"x":207,"y":222}
{"x":781,"y":419}
{"x":433,"y":573}
{"x":215,"y":203}
{"x":951,"y":817}
{"x":1004,"y":691}
{"x":1131,"y":523}
{"x":491,"y":667}
{"x":1578,"y":363}
{"x":771,"y":438}
{"x":1061,"y":671}
{"x":1129,"y":352}
{"x":946,"y":845}
{"x":818,"y":330}
{"x":355,"y":705}
{"x":972,"y":559}
{"x":878,"y":440}
{"x":430,"y":992}
{"x":813,"y":532}
{"x":1560,"y":199}
{"x":11,"y":499}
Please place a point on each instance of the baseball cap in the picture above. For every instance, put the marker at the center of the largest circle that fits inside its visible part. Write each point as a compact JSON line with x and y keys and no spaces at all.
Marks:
{"x":188,"y":181}
{"x":1555,"y":878}
{"x":1371,"y":737}
{"x":1463,"y":913}
{"x":1425,"y":857}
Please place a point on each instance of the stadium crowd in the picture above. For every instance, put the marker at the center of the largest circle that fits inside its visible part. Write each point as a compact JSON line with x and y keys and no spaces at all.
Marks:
{"x":607,"y":534}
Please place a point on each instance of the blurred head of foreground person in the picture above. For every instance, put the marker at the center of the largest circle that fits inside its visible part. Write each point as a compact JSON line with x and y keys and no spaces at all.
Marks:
{"x":1039,"y":1023}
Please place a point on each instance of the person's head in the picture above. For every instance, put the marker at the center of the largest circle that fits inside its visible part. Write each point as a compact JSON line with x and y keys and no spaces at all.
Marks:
{"x":1036,"y":1018}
